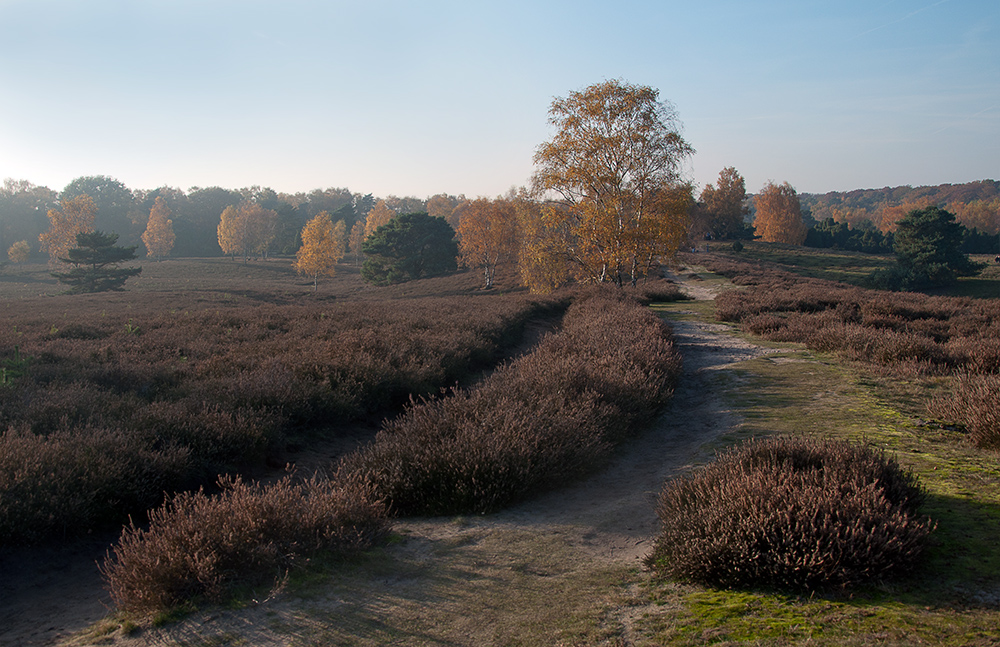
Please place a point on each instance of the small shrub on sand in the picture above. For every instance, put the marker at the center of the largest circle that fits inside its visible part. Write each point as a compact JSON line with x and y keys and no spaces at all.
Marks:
{"x":791,"y":513}
{"x":203,"y":546}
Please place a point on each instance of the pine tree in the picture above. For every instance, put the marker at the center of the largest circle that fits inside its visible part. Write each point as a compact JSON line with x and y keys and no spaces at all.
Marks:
{"x":95,"y":264}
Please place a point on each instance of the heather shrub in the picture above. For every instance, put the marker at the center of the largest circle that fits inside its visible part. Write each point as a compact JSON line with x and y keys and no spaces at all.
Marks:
{"x":791,"y":513}
{"x":661,"y":291}
{"x":202,"y":546}
{"x":539,"y":421}
{"x":975,"y":404}
{"x":68,"y":481}
{"x":208,"y":391}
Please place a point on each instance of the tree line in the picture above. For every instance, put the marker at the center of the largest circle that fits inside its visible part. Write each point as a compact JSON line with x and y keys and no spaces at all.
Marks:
{"x":606,"y":203}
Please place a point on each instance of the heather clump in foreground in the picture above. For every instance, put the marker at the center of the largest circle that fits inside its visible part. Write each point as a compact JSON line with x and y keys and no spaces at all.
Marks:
{"x":791,"y":513}
{"x":202,"y":546}
{"x":535,"y":423}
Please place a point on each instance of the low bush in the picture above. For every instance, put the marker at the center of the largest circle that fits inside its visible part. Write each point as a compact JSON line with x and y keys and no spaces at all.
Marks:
{"x":791,"y":513}
{"x":539,"y":421}
{"x":661,"y":291}
{"x":201,"y":546}
{"x":975,"y":404}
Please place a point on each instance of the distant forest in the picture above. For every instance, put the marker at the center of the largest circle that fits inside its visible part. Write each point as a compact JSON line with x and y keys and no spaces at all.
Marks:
{"x":195,"y":213}
{"x":976,"y":205}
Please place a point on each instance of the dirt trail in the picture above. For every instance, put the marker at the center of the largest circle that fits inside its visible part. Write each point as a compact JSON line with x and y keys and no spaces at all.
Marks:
{"x":610,"y":517}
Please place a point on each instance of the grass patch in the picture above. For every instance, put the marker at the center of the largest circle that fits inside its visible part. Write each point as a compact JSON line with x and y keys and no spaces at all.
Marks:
{"x":830,"y":264}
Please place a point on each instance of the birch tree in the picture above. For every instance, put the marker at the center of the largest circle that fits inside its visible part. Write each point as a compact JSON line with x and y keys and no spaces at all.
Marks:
{"x":322,"y":247}
{"x":616,"y":150}
{"x":159,"y":235}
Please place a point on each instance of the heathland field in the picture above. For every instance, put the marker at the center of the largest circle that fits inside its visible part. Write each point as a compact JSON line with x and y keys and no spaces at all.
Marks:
{"x":485,"y":466}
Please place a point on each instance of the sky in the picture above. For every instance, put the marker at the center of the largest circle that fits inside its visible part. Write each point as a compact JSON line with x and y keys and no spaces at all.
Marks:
{"x":418,"y":98}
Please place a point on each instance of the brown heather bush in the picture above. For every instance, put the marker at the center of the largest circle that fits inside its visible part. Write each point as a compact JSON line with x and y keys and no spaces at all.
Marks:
{"x":975,"y":404}
{"x":660,"y":291}
{"x":539,"y":421}
{"x":54,"y":485}
{"x":793,"y":514}
{"x":202,"y":546}
{"x":197,"y":393}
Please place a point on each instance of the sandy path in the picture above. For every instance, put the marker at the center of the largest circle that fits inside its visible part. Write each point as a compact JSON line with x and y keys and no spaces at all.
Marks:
{"x":610,"y":516}
{"x":614,"y":511}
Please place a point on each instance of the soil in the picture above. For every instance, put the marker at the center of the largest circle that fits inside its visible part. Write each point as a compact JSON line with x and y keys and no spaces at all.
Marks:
{"x":46,"y":598}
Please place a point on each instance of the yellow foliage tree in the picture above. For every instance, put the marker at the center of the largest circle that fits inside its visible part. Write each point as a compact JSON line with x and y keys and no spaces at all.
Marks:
{"x":888,"y":216}
{"x":488,"y":235}
{"x":779,"y":215}
{"x":542,"y":260}
{"x":983,"y":215}
{"x":75,"y":216}
{"x":357,"y":239}
{"x":322,"y":248}
{"x":616,"y":152}
{"x":159,"y":235}
{"x":19,"y":252}
{"x":378,"y":216}
{"x":246,"y":229}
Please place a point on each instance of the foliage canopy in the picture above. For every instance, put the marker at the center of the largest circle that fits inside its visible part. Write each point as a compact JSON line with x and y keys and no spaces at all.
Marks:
{"x":410,"y":246}
{"x":779,"y":215}
{"x":322,"y":247}
{"x":613,"y":167}
{"x":927,"y":246}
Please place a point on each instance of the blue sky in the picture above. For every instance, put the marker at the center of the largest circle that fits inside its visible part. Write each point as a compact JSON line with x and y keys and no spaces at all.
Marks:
{"x":418,"y":98}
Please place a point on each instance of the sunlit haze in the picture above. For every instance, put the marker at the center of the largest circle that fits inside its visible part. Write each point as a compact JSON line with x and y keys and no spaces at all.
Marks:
{"x":412,"y":98}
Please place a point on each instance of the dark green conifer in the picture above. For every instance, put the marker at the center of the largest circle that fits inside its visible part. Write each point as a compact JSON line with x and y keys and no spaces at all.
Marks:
{"x":95,"y":264}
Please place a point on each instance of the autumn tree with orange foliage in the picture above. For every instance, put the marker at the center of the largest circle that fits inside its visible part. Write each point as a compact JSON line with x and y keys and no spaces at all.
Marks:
{"x":246,"y":229}
{"x":615,"y":156}
{"x":488,"y":236}
{"x":322,"y":247}
{"x":75,"y":216}
{"x":779,"y":215}
{"x":888,"y":216}
{"x":159,"y":235}
{"x":19,"y":252}
{"x":378,"y":216}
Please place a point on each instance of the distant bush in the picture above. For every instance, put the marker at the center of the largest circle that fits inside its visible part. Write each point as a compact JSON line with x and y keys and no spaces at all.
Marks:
{"x":198,"y":545}
{"x":791,"y":513}
{"x":539,"y":421}
{"x":661,"y":292}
